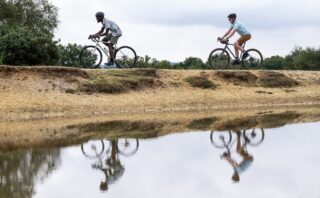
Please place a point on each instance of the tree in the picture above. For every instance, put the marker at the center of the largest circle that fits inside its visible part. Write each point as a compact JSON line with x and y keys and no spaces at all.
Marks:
{"x":69,"y":55}
{"x":308,"y":59}
{"x":192,"y":63}
{"x":40,"y":16}
{"x":26,"y":32}
{"x":20,"y":170}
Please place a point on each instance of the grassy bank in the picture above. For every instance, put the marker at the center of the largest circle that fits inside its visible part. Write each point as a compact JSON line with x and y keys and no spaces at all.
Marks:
{"x":28,"y":93}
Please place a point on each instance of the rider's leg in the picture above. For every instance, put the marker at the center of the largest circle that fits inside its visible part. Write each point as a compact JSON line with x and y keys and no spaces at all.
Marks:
{"x":113,"y":41}
{"x":111,"y":51}
{"x":241,"y":41}
{"x":237,"y":47}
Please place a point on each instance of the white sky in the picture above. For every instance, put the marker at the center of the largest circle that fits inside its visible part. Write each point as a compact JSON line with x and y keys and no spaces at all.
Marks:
{"x":174,"y":30}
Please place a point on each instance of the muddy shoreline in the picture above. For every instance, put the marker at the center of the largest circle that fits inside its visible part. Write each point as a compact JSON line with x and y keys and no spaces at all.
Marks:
{"x":73,"y":131}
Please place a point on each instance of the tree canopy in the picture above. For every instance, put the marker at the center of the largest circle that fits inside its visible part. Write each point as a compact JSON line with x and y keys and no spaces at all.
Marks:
{"x":40,"y":16}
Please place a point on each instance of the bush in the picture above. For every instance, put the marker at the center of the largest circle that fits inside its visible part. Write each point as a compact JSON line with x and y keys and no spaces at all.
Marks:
{"x":274,"y":63}
{"x":20,"y":46}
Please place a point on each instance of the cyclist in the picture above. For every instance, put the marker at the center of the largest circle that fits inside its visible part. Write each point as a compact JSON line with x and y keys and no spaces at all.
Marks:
{"x":112,"y":33}
{"x":240,"y":29}
{"x":244,"y":164}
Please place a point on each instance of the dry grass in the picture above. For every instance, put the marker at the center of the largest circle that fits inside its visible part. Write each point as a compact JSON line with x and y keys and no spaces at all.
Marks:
{"x":200,"y":82}
{"x":119,"y":81}
{"x":275,"y":80}
{"x":61,"y":72}
{"x":202,"y":124}
{"x":236,"y":77}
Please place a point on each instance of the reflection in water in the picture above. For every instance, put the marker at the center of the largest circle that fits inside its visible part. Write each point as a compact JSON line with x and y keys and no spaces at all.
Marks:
{"x":107,"y":158}
{"x":190,"y":160}
{"x":224,"y":140}
{"x":20,"y":170}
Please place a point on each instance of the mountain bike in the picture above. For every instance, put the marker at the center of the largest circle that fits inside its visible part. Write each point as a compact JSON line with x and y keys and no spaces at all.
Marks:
{"x":220,"y":58}
{"x":91,"y":56}
{"x":94,"y":149}
{"x":253,"y":137}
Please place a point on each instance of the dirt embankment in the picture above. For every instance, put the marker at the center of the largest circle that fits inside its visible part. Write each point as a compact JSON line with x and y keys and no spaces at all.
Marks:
{"x":28,"y":93}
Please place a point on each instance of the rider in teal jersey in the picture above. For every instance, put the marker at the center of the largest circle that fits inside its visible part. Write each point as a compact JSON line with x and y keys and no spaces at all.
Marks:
{"x":242,"y":31}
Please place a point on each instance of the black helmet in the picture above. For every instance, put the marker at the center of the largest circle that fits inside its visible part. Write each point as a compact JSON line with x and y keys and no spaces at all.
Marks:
{"x":99,"y":16}
{"x":232,"y":16}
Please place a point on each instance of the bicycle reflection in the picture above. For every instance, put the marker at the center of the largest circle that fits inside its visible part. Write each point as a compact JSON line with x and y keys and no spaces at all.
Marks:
{"x":106,"y":155}
{"x":224,"y":140}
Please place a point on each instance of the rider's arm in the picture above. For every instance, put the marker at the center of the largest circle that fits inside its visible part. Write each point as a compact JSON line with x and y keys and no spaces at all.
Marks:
{"x":99,"y":33}
{"x":227,"y":33}
{"x":231,"y":33}
{"x":106,"y":33}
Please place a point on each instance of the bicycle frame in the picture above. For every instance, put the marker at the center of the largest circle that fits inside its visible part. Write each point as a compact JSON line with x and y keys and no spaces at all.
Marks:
{"x":226,"y":48}
{"x":105,"y":50}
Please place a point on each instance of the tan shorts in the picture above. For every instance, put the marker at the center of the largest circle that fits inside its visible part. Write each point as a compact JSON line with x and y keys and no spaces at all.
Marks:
{"x":110,"y":38}
{"x":244,"y":39}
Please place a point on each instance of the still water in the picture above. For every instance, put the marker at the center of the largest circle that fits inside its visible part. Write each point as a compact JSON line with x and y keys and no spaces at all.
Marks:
{"x":276,"y":162}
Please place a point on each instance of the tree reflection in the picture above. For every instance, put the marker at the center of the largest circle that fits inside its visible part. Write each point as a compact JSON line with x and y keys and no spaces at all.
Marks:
{"x":224,"y":140}
{"x":20,"y":170}
{"x":107,"y":157}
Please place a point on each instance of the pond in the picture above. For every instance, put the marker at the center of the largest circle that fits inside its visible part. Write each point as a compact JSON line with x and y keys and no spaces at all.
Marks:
{"x":233,"y":161}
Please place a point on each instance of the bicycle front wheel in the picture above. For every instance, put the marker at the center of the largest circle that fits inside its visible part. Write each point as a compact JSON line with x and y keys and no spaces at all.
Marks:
{"x":254,"y":137}
{"x":219,"y":59}
{"x":125,"y":57}
{"x":254,"y":59}
{"x":91,"y":57}
{"x":128,"y":147}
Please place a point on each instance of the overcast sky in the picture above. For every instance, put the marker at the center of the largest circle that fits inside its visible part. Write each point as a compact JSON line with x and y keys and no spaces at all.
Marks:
{"x":176,"y":29}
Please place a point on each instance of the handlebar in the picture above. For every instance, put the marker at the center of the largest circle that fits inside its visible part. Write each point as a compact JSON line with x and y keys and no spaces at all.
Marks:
{"x":95,"y":39}
{"x":223,"y":42}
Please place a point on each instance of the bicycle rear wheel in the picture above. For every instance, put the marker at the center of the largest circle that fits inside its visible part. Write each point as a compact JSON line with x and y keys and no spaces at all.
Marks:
{"x":220,"y":139}
{"x":93,"y":149}
{"x":254,"y":59}
{"x":125,"y":57}
{"x":91,"y":57}
{"x":219,"y":59}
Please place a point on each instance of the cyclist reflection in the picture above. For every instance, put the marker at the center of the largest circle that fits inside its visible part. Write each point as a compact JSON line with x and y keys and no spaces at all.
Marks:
{"x":108,"y":160}
{"x":243,"y":138}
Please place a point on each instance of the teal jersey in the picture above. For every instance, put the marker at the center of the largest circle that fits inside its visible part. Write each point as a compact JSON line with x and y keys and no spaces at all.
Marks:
{"x":240,"y":28}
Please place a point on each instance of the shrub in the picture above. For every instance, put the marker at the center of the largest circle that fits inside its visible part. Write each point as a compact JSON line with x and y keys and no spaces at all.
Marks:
{"x":20,"y":46}
{"x":274,"y":63}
